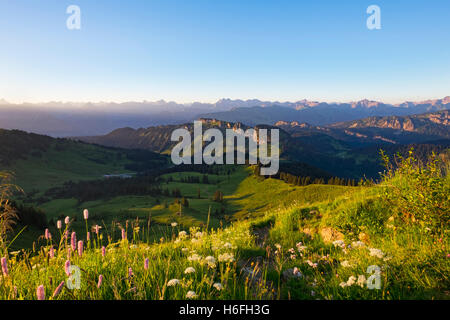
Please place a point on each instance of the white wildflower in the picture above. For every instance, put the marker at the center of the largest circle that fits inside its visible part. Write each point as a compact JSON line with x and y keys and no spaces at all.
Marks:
{"x":191,"y":295}
{"x":339,"y":243}
{"x":189,"y":270}
{"x":218,"y":286}
{"x":173,"y":283}
{"x":376,"y":253}
{"x":346,"y":264}
{"x":361,"y":280}
{"x":351,"y":281}
{"x":226,"y":257}
{"x":194,"y":257}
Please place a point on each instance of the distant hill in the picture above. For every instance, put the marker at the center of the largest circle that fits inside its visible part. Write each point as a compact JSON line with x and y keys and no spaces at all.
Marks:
{"x":380,"y":130}
{"x":337,"y":150}
{"x":40,"y":162}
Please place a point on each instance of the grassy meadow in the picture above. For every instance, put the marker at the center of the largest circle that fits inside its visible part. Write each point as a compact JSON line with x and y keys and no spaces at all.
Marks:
{"x":273,"y":241}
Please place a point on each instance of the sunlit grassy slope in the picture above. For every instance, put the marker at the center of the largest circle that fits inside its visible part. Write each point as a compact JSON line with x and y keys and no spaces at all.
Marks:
{"x":75,"y":161}
{"x":323,"y":243}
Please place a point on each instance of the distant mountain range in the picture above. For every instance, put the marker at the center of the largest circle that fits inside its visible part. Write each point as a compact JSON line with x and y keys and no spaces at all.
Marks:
{"x":60,"y":119}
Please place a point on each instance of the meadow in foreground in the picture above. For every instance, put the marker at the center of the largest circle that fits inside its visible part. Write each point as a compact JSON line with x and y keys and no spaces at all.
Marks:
{"x":383,"y":241}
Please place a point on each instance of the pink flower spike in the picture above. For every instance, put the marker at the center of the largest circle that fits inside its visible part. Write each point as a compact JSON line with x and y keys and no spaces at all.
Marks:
{"x":5,"y":266}
{"x":58,"y":290}
{"x":67,"y":220}
{"x":52,"y":252}
{"x":130,"y":272}
{"x":100,"y":280}
{"x":73,"y":241}
{"x":40,"y":293}
{"x":103,"y":251}
{"x":86,"y":214}
{"x":47,"y":234}
{"x":88,"y":236}
{"x":124,"y":234}
{"x":80,"y":248}
{"x":59,"y":224}
{"x":146,"y":264}
{"x":67,"y":268}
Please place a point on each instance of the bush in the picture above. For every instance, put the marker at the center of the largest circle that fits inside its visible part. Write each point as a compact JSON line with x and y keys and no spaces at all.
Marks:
{"x":418,"y":193}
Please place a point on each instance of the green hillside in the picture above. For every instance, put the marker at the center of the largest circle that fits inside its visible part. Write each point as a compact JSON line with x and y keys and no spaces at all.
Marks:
{"x":387,"y":241}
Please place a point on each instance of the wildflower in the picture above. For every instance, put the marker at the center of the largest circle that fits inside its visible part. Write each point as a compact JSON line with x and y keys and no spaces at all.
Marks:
{"x":174,"y":224}
{"x":52,"y":252}
{"x":291,"y":250}
{"x":100,"y":280}
{"x":345,"y":264}
{"x":297,"y":272}
{"x":67,"y":220}
{"x":194,"y":257}
{"x":351,"y":281}
{"x":86,"y":214}
{"x":80,"y":248}
{"x":146,"y":264}
{"x":293,"y":257}
{"x":199,"y":234}
{"x":67,"y":267}
{"x":182,"y":234}
{"x":218,"y":286}
{"x":47,"y":234}
{"x":191,"y":295}
{"x":88,"y":236}
{"x":278,"y":246}
{"x":343,"y":284}
{"x":361,"y":281}
{"x":97,"y":228}
{"x":339,"y":243}
{"x":40,"y":292}
{"x":173,"y":283}
{"x":73,"y":241}
{"x":227,"y":245}
{"x":358,"y":244}
{"x":226,"y":257}
{"x":124,"y":234}
{"x":4,"y":266}
{"x":130,"y":272}
{"x":376,"y":253}
{"x":189,"y":270}
{"x":210,"y":260}
{"x":58,"y":290}
{"x":448,"y":255}
{"x":59,"y":224}
{"x":311,"y":264}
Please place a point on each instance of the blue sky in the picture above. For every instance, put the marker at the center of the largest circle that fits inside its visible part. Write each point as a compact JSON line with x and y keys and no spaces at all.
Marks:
{"x":191,"y":50}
